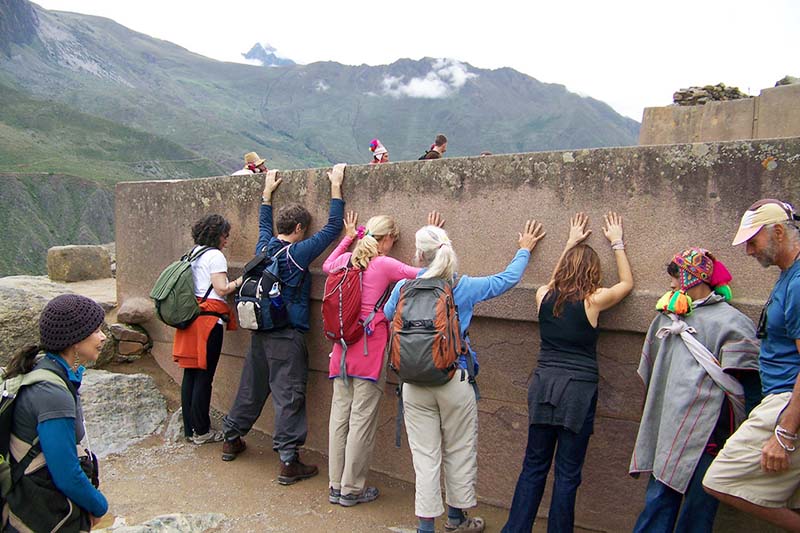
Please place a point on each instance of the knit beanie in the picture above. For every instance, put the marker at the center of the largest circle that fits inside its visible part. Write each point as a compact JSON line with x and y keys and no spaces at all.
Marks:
{"x":68,"y":319}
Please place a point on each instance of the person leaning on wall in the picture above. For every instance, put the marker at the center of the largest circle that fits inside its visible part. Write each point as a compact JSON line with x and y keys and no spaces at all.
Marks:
{"x":197,"y":348}
{"x":277,"y":361}
{"x":442,"y":421}
{"x":57,"y":474}
{"x":562,"y":395}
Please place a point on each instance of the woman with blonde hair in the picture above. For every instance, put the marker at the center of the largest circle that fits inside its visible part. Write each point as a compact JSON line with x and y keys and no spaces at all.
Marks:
{"x":562,"y":395}
{"x":358,"y":377}
{"x":442,"y":421}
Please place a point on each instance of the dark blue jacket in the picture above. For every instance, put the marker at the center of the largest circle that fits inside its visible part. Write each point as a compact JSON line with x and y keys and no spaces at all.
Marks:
{"x":294,"y":265}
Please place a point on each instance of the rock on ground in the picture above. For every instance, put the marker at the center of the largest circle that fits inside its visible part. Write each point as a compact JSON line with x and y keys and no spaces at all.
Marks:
{"x":120,"y":409}
{"x":78,"y":263}
{"x":136,"y":311}
{"x":173,"y":523}
{"x":22,"y":299}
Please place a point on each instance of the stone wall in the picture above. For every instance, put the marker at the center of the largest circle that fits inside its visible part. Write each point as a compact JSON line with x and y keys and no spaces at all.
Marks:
{"x":671,"y":196}
{"x":775,"y":113}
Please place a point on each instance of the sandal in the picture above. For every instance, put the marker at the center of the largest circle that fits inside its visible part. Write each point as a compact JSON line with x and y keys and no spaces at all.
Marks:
{"x":472,"y":524}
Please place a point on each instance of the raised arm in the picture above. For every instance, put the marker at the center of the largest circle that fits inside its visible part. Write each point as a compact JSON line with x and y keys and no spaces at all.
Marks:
{"x":577,"y":234}
{"x":307,"y":250}
{"x":271,"y":182}
{"x":606,"y":298}
{"x":350,"y":221}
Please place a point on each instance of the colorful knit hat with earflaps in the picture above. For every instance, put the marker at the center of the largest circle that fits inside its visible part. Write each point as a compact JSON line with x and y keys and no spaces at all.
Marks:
{"x":695,"y":266}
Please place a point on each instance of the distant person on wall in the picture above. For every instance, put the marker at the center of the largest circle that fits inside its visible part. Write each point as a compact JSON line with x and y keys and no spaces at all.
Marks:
{"x":379,"y":152}
{"x":699,"y":363}
{"x":197,"y":348}
{"x":562,"y":395}
{"x":277,"y":362}
{"x":758,"y":469}
{"x":358,"y":374}
{"x":252,"y":165}
{"x":438,"y":148}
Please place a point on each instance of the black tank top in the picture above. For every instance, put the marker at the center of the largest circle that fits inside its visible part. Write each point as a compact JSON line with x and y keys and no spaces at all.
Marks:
{"x":569,"y":337}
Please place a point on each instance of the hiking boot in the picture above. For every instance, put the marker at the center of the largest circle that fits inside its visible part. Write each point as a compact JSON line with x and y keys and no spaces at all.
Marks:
{"x":293,"y":471}
{"x":232,"y":448}
{"x":207,"y":438}
{"x":334,"y":495}
{"x":369,"y":494}
{"x":471,"y":524}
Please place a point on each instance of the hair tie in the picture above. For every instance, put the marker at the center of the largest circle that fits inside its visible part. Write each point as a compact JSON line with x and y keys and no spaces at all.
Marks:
{"x":445,"y":242}
{"x":360,"y":232}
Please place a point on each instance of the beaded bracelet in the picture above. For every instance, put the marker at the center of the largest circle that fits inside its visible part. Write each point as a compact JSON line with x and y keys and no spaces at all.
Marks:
{"x":783,"y":433}
{"x":618,"y":245}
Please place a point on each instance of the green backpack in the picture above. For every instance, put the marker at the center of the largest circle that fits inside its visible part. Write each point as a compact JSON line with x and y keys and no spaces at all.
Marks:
{"x":9,"y":389}
{"x":173,"y":293}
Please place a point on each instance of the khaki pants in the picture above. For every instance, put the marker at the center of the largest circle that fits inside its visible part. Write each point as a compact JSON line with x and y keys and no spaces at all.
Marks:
{"x":737,"y":468}
{"x":351,"y":432}
{"x":442,"y":427}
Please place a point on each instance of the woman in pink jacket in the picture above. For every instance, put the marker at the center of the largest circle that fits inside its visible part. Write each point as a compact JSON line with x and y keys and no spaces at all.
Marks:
{"x":354,"y":406}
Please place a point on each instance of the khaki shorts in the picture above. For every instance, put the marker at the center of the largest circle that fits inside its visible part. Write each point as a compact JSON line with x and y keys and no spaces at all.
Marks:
{"x":737,"y":469}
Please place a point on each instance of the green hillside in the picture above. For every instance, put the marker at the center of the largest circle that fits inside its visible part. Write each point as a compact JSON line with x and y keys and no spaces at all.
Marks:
{"x":37,"y":136}
{"x":38,"y":211}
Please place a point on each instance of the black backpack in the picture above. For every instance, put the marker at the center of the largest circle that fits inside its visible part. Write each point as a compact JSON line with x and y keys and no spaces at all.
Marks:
{"x":260,"y":305}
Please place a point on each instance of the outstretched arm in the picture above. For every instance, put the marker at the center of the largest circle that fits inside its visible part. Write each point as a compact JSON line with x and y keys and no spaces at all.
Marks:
{"x":577,"y":234}
{"x":271,"y":182}
{"x":606,"y":298}
{"x":350,"y":221}
{"x":305,"y":251}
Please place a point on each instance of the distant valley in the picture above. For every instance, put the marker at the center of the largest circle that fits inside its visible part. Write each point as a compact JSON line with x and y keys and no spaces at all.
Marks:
{"x":83,"y":97}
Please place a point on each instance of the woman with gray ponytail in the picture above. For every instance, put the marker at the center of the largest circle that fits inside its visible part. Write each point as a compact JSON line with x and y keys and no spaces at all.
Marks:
{"x":442,"y":421}
{"x":357,"y":393}
{"x":54,"y":477}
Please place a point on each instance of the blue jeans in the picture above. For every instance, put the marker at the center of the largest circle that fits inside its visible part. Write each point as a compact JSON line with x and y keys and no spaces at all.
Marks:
{"x":663,"y":507}
{"x":570,"y":451}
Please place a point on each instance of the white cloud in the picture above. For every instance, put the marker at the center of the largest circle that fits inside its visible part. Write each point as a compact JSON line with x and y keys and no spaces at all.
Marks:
{"x":322,"y":86}
{"x":446,"y":77}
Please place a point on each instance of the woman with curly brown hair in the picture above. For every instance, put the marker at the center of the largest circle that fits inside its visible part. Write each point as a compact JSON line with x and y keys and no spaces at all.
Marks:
{"x":197,"y":348}
{"x":562,"y":395}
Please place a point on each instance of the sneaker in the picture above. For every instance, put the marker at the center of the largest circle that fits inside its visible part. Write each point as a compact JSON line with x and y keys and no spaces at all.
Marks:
{"x":294,"y":471}
{"x":207,"y":438}
{"x":369,"y":494}
{"x":232,"y":448}
{"x":472,"y":524}
{"x":334,"y":495}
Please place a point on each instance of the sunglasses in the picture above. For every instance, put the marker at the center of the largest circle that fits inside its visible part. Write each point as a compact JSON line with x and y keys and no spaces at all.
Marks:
{"x":761,"y":330}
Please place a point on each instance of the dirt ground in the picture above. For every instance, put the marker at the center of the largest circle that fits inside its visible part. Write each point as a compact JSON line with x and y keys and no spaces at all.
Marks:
{"x":154,"y":478}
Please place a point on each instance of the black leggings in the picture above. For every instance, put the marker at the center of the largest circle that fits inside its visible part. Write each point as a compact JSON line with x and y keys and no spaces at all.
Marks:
{"x":196,"y":388}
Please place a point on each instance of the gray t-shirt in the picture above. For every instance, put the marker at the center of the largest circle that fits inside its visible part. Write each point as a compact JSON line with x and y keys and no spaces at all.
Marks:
{"x":45,"y":401}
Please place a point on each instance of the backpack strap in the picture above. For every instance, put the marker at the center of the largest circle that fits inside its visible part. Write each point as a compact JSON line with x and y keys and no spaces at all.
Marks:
{"x":38,"y":376}
{"x":398,"y":421}
{"x":367,"y":321}
{"x":192,"y":255}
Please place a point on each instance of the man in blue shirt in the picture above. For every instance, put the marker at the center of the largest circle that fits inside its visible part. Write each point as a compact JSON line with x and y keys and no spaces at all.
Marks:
{"x":277,"y":361}
{"x":756,"y":471}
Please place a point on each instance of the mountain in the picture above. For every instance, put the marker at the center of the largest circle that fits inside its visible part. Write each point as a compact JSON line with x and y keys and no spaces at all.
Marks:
{"x":301,"y":115}
{"x":38,"y":211}
{"x":266,"y":56}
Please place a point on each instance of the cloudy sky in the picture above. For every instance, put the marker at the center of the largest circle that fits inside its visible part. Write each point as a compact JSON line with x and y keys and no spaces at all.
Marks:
{"x":630,"y":54}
